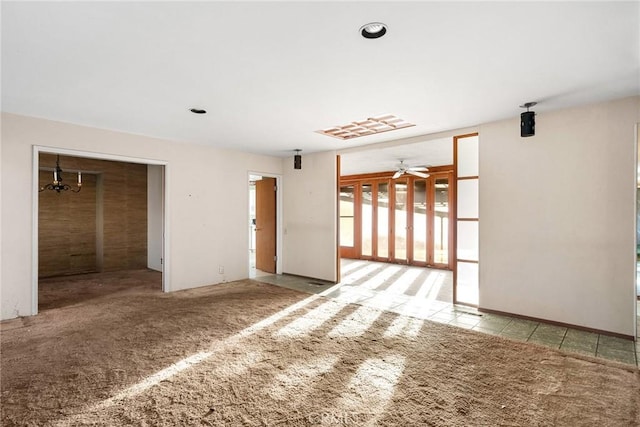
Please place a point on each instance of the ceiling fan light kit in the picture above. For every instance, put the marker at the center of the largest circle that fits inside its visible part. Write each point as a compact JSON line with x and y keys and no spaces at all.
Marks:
{"x":411,"y":170}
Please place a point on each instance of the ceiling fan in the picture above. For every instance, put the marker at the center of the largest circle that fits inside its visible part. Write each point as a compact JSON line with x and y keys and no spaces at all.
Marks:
{"x":416,"y":171}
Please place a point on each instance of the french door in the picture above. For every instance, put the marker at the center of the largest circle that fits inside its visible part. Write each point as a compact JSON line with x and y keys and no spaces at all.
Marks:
{"x":348,"y":232}
{"x":405,"y":220}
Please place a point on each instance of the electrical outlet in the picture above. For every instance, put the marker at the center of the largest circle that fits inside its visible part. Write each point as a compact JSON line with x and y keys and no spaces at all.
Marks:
{"x":220,"y":269}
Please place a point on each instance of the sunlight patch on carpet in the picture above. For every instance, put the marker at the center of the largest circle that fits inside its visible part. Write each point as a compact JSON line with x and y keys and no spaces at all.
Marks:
{"x":197,"y":358}
{"x":238,"y":366}
{"x":299,"y":378}
{"x":372,"y":387}
{"x":356,"y":323}
{"x":311,"y":320}
{"x":404,"y":326}
{"x":278,"y":316}
{"x":354,"y":294}
{"x":156,"y":378}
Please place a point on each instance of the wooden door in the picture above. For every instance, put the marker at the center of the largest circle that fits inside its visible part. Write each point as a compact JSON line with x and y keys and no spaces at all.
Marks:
{"x":440,"y":226}
{"x":420,"y":213}
{"x":400,"y":221}
{"x":266,"y":225}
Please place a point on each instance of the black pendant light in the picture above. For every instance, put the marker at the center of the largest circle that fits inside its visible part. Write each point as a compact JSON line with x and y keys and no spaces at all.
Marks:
{"x":528,"y":121}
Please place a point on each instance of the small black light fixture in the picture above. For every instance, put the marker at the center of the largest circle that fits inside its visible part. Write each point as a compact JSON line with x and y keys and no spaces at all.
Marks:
{"x":528,"y":120}
{"x":297,"y":159}
{"x":373,"y":30}
{"x":198,"y":111}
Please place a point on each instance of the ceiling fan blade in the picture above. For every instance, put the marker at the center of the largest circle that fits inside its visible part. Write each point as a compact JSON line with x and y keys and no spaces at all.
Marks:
{"x":397,"y":174}
{"x":419,"y":168}
{"x":420,"y":174}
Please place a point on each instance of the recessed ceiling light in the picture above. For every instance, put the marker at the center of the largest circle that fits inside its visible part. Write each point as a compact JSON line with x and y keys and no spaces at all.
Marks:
{"x":198,"y":111}
{"x":373,"y":30}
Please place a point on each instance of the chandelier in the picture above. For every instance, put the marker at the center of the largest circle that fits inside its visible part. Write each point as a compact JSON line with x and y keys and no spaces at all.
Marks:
{"x":57,"y":184}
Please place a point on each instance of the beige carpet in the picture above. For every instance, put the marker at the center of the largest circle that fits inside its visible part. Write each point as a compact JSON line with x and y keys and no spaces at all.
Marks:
{"x":247,"y":353}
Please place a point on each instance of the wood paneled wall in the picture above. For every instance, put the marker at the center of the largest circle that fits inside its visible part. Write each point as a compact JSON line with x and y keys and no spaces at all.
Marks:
{"x":125,"y":216}
{"x":102,"y":228}
{"x":67,"y":227}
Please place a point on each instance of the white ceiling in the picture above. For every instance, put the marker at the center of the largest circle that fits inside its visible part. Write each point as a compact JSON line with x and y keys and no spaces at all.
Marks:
{"x":272,"y":73}
{"x":435,"y":152}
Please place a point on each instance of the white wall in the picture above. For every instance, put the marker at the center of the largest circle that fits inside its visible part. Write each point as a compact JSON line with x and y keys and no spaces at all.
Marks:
{"x":207,"y":199}
{"x":154,"y":217}
{"x":310,"y":212}
{"x":557,"y":234}
{"x":1,"y":240}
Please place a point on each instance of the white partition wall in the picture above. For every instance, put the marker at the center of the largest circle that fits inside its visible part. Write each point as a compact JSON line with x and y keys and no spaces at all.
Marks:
{"x":558,"y":213}
{"x":310,"y":239}
{"x":465,"y":158}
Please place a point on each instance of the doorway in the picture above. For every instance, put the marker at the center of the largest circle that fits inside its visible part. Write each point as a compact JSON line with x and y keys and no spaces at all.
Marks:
{"x":428,"y":222}
{"x":403,"y":221}
{"x":264,"y":220}
{"x":115,"y":225}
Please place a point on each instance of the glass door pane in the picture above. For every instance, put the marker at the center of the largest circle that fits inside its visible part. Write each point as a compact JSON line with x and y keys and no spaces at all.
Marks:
{"x":347,"y":217}
{"x":367,"y":220}
{"x":420,"y":220}
{"x":383,"y":220}
{"x":466,"y":285}
{"x":441,"y":222}
{"x":400,"y":220}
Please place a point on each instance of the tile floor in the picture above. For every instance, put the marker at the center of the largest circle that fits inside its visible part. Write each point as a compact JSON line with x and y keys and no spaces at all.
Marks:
{"x":426,"y":294}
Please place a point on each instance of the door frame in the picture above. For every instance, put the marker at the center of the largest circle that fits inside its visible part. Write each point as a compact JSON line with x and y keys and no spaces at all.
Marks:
{"x":457,"y":219}
{"x":636,"y":331}
{"x":279,"y":221}
{"x":37,"y":149}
